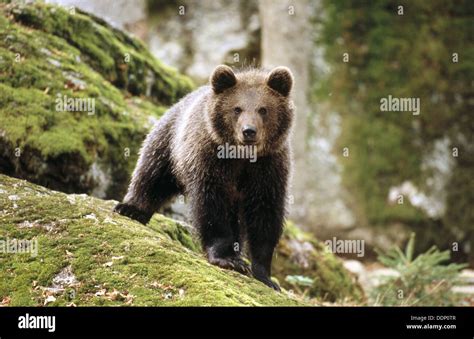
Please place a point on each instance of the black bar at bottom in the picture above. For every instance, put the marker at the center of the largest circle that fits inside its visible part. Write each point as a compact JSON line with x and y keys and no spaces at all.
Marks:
{"x":449,"y":322}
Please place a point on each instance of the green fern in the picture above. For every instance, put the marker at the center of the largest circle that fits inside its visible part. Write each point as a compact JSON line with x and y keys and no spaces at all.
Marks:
{"x":422,"y":281}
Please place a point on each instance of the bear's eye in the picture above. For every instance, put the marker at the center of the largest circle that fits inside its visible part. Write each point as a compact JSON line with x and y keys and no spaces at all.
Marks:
{"x":237,"y":110}
{"x":262,"y":110}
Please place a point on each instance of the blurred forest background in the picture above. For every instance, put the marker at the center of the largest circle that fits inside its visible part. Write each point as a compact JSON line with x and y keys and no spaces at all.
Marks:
{"x":360,"y":173}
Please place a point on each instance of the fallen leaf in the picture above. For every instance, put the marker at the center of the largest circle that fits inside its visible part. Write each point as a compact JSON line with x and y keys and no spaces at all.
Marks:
{"x":49,"y":299}
{"x":5,"y":301}
{"x":100,"y":292}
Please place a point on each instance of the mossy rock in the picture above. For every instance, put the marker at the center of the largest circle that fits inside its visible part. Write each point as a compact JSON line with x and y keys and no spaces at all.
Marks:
{"x":48,"y":53}
{"x":89,"y":255}
{"x":300,"y":254}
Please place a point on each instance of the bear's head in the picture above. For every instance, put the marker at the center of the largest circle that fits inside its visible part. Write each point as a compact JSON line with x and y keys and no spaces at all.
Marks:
{"x":251,"y":107}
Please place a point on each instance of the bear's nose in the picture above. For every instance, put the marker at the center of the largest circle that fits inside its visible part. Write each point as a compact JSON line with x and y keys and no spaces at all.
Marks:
{"x":249,"y":132}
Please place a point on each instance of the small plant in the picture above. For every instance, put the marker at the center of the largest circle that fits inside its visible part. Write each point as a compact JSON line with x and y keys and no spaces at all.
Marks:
{"x":422,"y":281}
{"x":300,"y":283}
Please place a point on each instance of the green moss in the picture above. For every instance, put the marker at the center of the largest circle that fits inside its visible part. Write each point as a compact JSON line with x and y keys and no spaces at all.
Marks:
{"x":46,"y":54}
{"x":299,"y":253}
{"x":115,"y":261}
{"x":176,"y":231}
{"x":119,"y":58}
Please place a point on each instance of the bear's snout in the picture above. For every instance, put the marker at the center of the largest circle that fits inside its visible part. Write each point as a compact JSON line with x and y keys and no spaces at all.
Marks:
{"x":249,"y":133}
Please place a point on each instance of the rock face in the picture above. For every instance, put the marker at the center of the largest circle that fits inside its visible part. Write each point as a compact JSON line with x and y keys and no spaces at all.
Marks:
{"x":196,"y":36}
{"x":122,"y":14}
{"x":77,"y":98}
{"x":75,"y":250}
{"x":319,"y":198}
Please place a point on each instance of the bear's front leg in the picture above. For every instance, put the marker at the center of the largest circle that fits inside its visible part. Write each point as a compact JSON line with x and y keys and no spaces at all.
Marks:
{"x":215,"y":217}
{"x":264,"y":228}
{"x":264,"y":211}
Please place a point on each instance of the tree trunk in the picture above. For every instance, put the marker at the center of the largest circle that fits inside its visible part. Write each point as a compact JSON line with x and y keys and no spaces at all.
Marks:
{"x":286,"y":41}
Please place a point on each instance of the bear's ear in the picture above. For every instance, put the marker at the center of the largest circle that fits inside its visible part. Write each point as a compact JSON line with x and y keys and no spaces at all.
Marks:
{"x":281,"y":80}
{"x":222,"y":78}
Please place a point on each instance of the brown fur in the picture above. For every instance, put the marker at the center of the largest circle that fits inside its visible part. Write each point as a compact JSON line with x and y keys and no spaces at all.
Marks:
{"x":229,"y":198}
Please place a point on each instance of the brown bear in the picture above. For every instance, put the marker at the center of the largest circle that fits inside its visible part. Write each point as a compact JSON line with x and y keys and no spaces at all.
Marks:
{"x":231,"y":198}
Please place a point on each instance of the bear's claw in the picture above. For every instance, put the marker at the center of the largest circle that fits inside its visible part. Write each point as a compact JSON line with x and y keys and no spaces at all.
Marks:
{"x":269,"y":283}
{"x":133,"y":213}
{"x":232,"y":263}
